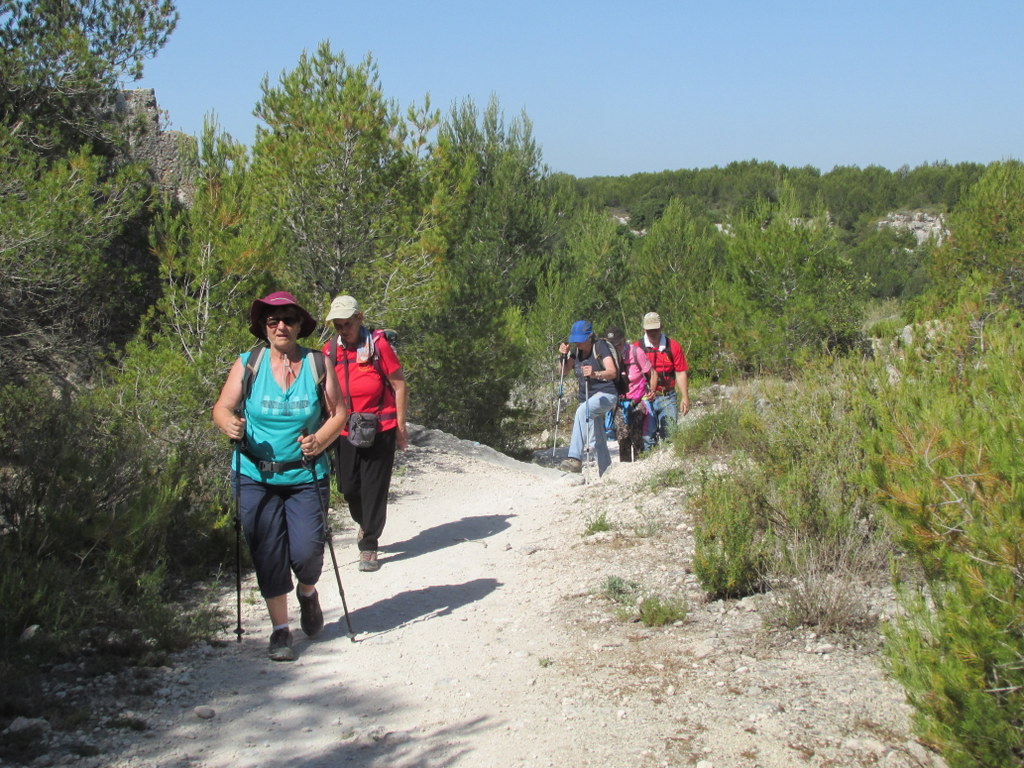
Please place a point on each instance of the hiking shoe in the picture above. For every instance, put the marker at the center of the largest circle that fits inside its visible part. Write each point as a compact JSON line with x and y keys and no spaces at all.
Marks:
{"x":312,"y":620}
{"x":571,"y":465}
{"x":281,"y":645}
{"x":368,"y":561}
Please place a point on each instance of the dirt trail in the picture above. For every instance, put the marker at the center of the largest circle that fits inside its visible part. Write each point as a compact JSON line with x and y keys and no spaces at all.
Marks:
{"x":483,"y":641}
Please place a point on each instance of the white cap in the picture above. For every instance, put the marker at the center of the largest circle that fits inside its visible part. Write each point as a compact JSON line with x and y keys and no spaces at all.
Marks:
{"x":342,"y":308}
{"x":652,"y":321}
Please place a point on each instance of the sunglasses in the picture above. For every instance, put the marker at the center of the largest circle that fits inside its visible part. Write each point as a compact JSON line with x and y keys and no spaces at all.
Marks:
{"x":272,"y":322}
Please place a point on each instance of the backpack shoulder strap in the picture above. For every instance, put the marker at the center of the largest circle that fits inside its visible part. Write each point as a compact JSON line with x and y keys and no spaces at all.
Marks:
{"x":252,"y":367}
{"x":376,"y":337}
{"x":320,"y":374}
{"x":319,"y":366}
{"x":611,"y":352}
{"x":599,"y":356}
{"x":668,"y":351}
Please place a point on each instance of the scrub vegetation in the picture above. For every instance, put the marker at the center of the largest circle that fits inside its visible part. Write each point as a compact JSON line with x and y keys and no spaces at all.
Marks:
{"x":881,"y":441}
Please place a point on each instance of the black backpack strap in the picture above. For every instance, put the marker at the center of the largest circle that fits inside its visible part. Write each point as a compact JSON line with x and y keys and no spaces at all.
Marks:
{"x":252,"y":367}
{"x":668,"y":351}
{"x":667,"y":379}
{"x":599,"y":358}
{"x":630,"y":358}
{"x":320,"y":371}
{"x":376,"y":336}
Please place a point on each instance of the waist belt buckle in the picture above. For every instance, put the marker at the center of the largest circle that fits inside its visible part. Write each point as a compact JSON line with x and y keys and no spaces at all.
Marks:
{"x":266,"y":467}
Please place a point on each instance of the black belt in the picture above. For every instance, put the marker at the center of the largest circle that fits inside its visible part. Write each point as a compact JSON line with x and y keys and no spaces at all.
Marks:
{"x":273,"y":467}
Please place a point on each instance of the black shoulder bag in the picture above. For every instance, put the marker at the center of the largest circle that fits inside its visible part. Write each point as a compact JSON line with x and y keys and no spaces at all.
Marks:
{"x":362,"y":427}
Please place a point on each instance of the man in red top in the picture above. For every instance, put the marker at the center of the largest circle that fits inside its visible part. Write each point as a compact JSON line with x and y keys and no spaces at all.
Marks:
{"x":672,"y":389}
{"x":371,"y":382}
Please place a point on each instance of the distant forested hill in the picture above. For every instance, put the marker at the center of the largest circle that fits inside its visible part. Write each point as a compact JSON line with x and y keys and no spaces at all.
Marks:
{"x":848,"y":193}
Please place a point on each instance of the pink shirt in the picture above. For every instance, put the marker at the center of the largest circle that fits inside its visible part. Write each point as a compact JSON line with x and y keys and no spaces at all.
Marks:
{"x":638,"y":368}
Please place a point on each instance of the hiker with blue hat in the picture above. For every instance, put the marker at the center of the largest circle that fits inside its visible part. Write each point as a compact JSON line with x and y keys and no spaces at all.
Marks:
{"x":593,"y":361}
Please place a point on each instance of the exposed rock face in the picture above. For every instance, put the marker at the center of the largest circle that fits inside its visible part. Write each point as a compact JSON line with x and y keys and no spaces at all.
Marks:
{"x":923,"y":225}
{"x":160,"y":149}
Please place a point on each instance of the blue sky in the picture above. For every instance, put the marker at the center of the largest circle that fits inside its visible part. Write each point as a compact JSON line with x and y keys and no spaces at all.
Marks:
{"x":624,"y":87}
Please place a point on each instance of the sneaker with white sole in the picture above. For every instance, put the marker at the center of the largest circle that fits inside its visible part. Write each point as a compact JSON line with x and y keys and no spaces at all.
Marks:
{"x":281,"y":645}
{"x":368,"y":561}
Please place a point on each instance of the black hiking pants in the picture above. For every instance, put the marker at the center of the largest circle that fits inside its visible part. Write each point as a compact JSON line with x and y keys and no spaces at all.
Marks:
{"x":364,"y":478}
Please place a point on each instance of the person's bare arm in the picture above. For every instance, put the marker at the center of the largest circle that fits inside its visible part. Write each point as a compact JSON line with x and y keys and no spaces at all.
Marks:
{"x":337,"y":415}
{"x":224,"y":416}
{"x":683,"y":385}
{"x":397,"y":379}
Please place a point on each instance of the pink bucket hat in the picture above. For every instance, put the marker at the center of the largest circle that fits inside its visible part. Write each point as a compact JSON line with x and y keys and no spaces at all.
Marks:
{"x":272,"y":301}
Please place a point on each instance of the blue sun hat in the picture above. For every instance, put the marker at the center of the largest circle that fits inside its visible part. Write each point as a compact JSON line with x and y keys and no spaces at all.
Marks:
{"x":581,"y":331}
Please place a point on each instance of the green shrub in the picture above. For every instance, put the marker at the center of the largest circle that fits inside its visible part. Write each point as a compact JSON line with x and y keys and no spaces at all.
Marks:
{"x":652,"y":610}
{"x":648,"y":527}
{"x":883,"y":313}
{"x":620,"y":590}
{"x":796,"y":474}
{"x":987,"y":227}
{"x":657,"y":611}
{"x":947,"y":459}
{"x":597,"y":524}
{"x":731,"y":541}
{"x":93,"y":528}
{"x":734,"y":426}
{"x":886,"y":329}
{"x":673,"y":477}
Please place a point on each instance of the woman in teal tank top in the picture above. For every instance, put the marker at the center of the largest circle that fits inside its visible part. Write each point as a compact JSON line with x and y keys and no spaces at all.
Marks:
{"x":282,"y":429}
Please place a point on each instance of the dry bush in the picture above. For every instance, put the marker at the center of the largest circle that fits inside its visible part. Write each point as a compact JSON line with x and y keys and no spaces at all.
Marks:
{"x":824,"y":584}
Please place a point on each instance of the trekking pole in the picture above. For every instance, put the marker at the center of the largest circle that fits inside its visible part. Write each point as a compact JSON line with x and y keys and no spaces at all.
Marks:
{"x":238,"y":533}
{"x":588,"y":432}
{"x":311,"y":465}
{"x":558,"y":407}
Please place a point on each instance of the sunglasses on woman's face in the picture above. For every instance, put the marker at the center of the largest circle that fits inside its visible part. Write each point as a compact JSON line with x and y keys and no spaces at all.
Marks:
{"x":291,"y":320}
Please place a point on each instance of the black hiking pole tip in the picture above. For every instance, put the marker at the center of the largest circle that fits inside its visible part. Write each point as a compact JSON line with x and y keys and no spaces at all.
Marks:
{"x":329,"y":538}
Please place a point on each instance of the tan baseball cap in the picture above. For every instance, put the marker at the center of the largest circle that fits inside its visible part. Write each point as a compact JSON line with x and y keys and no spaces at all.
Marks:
{"x":342,"y":308}
{"x":652,"y":321}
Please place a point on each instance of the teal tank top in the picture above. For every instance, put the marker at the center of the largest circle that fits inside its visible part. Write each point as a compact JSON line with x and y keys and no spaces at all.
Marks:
{"x":274,"y":420}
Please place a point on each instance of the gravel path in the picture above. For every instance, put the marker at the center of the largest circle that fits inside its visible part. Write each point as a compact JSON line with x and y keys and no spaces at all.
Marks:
{"x":485,"y":641}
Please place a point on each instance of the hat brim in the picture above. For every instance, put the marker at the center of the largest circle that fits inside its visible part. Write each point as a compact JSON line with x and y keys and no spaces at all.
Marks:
{"x":258,"y":310}
{"x":332,"y":316}
{"x":578,"y":338}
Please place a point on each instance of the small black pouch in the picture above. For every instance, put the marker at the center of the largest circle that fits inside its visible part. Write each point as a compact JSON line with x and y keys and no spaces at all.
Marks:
{"x":362,"y":429}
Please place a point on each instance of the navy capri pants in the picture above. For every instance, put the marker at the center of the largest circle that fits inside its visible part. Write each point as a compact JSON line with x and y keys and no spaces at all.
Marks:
{"x":284,"y":529}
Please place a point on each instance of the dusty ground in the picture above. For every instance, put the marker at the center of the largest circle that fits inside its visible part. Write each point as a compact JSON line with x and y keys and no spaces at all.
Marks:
{"x":485,"y":640}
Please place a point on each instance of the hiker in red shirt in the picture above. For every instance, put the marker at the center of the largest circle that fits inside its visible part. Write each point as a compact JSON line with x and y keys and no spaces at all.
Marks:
{"x":672,"y":390}
{"x":373,"y":387}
